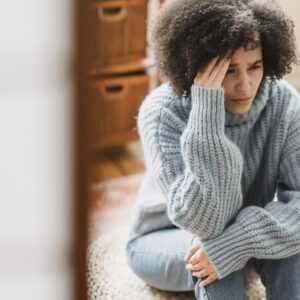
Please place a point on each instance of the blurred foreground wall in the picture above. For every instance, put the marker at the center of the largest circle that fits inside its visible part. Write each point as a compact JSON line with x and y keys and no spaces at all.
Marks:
{"x":35,"y":150}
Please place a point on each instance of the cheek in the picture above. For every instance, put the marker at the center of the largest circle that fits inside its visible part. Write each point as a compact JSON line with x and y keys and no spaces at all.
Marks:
{"x":228,"y":88}
{"x":256,"y":84}
{"x":259,"y":78}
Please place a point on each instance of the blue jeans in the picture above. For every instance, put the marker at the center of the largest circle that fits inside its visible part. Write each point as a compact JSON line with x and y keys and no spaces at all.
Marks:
{"x":157,"y":258}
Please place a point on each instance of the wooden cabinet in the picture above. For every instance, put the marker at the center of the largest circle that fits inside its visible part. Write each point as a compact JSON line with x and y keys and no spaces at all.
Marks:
{"x":116,"y":102}
{"x":118,"y":29}
{"x":118,"y":79}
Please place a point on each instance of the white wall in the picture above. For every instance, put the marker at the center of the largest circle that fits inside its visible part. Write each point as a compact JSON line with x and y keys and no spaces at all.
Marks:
{"x":35,"y":151}
{"x":292,"y":8}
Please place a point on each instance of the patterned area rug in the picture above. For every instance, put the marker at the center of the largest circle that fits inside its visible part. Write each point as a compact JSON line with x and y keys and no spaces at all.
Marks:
{"x":109,"y":216}
{"x":111,"y":203}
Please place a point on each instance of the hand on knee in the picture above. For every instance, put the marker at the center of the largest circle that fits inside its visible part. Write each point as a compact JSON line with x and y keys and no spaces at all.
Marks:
{"x":200,"y":266}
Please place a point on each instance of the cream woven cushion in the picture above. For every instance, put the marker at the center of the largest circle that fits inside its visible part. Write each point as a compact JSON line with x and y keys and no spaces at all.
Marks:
{"x":109,"y":277}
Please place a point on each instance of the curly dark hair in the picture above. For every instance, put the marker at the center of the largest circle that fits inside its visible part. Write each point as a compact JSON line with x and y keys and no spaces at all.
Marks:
{"x":186,"y":34}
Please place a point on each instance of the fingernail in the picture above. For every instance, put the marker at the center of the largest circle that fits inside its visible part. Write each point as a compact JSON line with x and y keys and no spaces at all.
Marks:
{"x":188,"y":267}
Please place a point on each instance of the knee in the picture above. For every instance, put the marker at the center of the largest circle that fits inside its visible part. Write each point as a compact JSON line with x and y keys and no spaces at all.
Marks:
{"x":164,"y":271}
{"x":287,"y":266}
{"x":129,"y":255}
{"x":136,"y":261}
{"x":219,"y":289}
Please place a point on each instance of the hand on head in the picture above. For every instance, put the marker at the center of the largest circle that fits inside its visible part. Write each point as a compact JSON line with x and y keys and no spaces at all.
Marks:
{"x":214,"y":73}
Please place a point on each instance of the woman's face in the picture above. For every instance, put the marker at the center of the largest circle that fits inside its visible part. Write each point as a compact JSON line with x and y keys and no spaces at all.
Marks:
{"x":242,"y":79}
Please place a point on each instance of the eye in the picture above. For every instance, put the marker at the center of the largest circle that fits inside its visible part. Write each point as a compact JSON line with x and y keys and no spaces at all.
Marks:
{"x":255,"y":67}
{"x":230,"y":71}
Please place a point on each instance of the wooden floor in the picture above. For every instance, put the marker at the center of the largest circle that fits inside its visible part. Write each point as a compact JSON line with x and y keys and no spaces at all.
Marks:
{"x":117,"y":161}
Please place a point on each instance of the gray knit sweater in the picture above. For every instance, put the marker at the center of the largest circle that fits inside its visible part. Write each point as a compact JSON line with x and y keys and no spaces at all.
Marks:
{"x":216,"y":174}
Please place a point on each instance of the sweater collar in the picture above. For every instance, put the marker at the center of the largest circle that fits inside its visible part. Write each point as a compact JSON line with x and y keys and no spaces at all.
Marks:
{"x":256,"y":108}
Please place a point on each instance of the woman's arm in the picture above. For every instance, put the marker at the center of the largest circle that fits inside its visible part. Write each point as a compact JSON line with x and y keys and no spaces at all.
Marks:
{"x":208,"y":193}
{"x":196,"y":166}
{"x":272,"y":232}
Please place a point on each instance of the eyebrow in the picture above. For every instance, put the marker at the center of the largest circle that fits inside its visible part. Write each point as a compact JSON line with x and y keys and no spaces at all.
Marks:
{"x":250,"y":64}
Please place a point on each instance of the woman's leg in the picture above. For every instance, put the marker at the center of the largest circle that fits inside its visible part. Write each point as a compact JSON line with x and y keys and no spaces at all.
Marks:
{"x":232,"y":287}
{"x":157,"y":258}
{"x":280,"y":277}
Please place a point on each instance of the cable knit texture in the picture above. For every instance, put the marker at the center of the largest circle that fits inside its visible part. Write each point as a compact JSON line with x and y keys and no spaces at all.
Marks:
{"x":216,"y":174}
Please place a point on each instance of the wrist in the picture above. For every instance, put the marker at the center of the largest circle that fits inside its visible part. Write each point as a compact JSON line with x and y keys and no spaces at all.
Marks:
{"x":208,"y":109}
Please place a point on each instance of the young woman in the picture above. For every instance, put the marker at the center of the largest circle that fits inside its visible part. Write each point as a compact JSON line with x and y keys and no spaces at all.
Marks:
{"x":220,"y":138}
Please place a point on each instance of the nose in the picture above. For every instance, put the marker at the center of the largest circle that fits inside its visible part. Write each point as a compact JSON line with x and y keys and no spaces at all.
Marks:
{"x":243,"y":85}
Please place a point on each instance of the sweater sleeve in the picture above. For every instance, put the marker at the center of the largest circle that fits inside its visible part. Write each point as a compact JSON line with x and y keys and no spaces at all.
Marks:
{"x":272,"y":232}
{"x":197,"y":167}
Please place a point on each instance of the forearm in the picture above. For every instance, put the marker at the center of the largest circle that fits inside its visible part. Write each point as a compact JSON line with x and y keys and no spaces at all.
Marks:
{"x":270,"y":232}
{"x":200,"y":172}
{"x":258,"y":233}
{"x":214,"y":162}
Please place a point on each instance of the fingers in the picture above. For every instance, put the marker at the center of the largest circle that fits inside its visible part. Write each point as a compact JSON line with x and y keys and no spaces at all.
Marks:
{"x":203,"y":77}
{"x":219,"y":71}
{"x":221,"y":75}
{"x":214,"y":72}
{"x":196,"y":267}
{"x":191,"y":252}
{"x":207,"y":71}
{"x":196,"y":256}
{"x":202,"y":273}
{"x":199,"y":264}
{"x":211,"y":277}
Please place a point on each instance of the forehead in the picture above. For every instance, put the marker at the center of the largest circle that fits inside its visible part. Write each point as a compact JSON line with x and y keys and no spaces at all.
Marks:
{"x":246,"y":55}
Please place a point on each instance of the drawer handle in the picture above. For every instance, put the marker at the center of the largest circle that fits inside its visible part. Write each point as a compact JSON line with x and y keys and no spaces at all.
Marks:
{"x":113,"y":92}
{"x":114,"y":89}
{"x":112,"y":10}
{"x":112,"y":13}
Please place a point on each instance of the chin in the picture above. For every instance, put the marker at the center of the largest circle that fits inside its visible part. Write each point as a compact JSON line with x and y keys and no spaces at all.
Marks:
{"x":239,"y":111}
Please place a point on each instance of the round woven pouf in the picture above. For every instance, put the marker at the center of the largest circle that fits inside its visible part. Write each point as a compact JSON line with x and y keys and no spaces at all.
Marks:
{"x":109,"y":277}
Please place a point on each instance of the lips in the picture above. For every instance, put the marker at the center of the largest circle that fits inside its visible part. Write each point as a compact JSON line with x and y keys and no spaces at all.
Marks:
{"x":242,"y":99}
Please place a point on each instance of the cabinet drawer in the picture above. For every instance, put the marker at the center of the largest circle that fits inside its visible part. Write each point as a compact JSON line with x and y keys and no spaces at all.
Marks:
{"x":114,"y":106}
{"x":118,"y":31}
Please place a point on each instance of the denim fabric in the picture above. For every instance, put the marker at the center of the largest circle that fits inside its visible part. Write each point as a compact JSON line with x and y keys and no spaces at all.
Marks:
{"x":157,"y":258}
{"x":281,"y":277}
